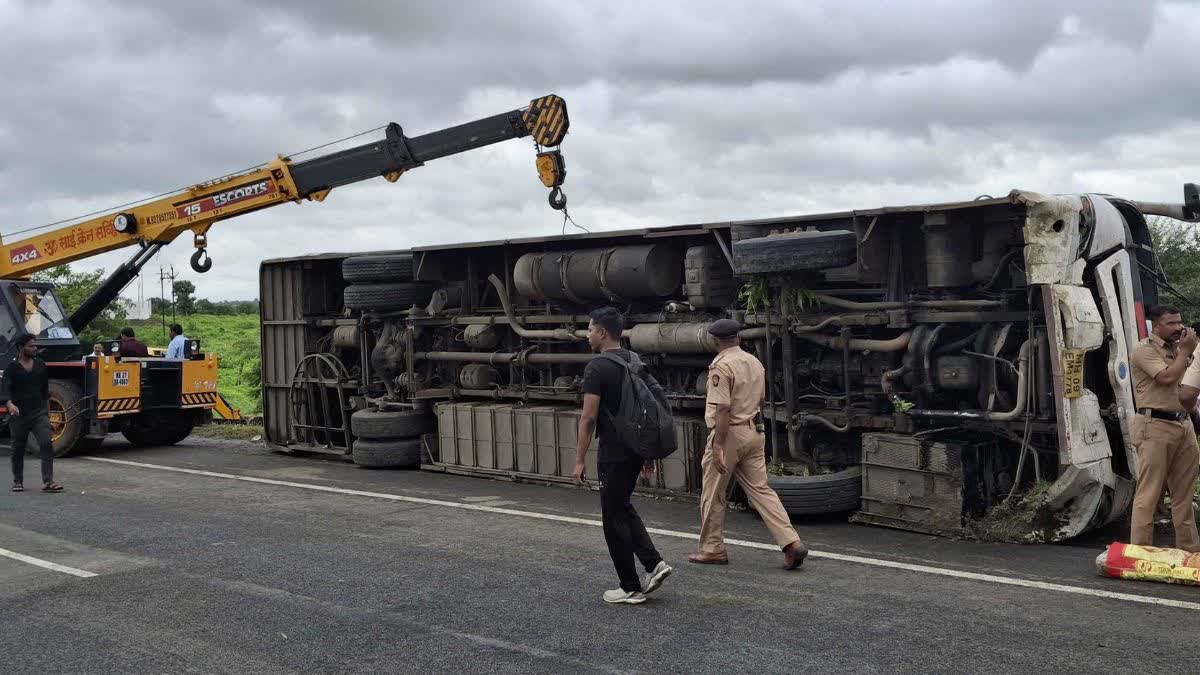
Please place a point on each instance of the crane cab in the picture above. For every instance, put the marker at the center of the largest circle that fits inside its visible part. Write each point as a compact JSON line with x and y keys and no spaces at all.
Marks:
{"x":31,"y":307}
{"x":151,"y":401}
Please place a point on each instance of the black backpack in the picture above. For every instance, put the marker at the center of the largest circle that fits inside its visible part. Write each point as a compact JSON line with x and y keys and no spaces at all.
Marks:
{"x":643,"y":421}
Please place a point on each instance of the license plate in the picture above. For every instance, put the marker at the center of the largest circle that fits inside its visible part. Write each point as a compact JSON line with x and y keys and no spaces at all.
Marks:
{"x":1073,"y":373}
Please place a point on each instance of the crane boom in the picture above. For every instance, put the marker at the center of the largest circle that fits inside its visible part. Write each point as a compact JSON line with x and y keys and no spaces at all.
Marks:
{"x":156,"y":401}
{"x":196,"y":209}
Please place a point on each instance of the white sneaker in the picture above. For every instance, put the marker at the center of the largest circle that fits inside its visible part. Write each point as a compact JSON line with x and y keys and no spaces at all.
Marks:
{"x":656,"y":577}
{"x":620,"y":597}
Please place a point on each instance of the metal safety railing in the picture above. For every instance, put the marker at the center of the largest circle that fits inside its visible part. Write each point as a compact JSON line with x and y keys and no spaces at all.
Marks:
{"x":320,"y":398}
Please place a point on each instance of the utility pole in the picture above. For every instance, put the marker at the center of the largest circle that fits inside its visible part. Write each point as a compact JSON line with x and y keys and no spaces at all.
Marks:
{"x":162,"y":278}
{"x":162,"y":298}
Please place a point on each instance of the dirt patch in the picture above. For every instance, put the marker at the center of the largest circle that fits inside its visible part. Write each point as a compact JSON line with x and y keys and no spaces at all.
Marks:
{"x":793,"y":469}
{"x":243,"y":432}
{"x":1022,"y":520}
{"x":781,"y":469}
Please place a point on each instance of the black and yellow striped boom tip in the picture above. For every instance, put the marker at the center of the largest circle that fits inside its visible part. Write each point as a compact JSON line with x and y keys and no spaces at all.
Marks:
{"x":546,"y":119}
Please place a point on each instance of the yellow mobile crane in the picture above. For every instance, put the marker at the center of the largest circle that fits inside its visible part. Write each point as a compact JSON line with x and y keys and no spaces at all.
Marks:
{"x":155,"y":401}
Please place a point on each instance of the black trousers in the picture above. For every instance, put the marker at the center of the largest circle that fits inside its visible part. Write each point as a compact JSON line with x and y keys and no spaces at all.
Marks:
{"x":20,"y":426}
{"x":624,"y":532}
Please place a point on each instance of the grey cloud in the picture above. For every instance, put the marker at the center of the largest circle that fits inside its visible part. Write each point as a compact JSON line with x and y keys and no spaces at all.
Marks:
{"x":698,"y":42}
{"x":403,"y":51}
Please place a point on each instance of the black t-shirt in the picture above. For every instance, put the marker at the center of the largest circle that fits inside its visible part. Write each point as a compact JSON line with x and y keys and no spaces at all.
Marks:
{"x":29,"y":389}
{"x":604,"y":378}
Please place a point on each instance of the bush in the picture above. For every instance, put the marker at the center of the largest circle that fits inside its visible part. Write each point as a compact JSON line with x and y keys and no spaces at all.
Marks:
{"x":1178,"y":247}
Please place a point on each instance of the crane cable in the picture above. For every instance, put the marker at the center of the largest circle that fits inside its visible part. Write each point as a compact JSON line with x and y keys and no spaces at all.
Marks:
{"x":568,"y":219}
{"x":558,"y":198}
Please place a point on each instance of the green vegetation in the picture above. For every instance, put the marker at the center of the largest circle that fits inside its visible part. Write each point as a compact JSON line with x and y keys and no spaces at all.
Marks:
{"x":798,"y":301}
{"x":1178,"y":247}
{"x":755,"y":295}
{"x":234,"y":339}
{"x":230,"y":329}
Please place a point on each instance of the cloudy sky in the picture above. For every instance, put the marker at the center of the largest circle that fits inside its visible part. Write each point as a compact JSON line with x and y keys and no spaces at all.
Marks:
{"x":680,"y":112}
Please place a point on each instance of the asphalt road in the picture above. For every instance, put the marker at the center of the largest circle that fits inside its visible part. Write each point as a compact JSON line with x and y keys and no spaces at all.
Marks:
{"x":209,"y":574}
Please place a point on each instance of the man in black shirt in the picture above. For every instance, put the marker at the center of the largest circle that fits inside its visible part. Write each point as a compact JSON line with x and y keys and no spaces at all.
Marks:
{"x":617,"y":464}
{"x":27,"y":393}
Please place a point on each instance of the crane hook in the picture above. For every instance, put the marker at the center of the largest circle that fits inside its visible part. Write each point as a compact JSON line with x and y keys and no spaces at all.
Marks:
{"x":201,"y":267}
{"x":558,"y":200}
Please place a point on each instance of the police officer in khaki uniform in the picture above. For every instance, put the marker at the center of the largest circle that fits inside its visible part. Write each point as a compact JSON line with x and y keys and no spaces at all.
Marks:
{"x":1162,"y":431}
{"x":737,"y":449}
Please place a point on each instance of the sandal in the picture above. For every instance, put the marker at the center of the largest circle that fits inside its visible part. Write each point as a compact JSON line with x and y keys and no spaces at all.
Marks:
{"x":52,"y":487}
{"x":17,"y":487}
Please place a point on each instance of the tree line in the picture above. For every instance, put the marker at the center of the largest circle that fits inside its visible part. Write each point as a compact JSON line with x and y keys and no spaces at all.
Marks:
{"x":183,"y":301}
{"x":1177,"y":249}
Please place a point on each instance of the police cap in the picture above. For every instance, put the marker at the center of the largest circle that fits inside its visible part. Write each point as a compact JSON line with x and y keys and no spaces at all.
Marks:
{"x":724,"y":328}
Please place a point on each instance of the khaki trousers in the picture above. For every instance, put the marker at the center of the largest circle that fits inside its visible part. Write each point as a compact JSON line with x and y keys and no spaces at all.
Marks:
{"x":746,"y":461}
{"x":1167,"y":458}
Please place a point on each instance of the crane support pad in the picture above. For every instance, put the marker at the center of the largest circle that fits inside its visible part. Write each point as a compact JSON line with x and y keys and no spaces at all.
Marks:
{"x":226,"y":412}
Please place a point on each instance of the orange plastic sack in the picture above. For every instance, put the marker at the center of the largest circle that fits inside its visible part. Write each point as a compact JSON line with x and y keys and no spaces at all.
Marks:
{"x":1149,"y":563}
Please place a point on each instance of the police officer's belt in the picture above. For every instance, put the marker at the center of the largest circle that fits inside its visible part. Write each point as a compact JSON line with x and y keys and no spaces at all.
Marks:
{"x":1163,"y":414}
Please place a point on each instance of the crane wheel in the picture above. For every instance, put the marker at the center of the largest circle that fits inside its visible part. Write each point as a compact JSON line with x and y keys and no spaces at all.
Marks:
{"x":66,"y":417}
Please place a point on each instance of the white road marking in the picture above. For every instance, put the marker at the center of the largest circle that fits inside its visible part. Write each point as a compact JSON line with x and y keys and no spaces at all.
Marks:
{"x":861,"y":560}
{"x":46,"y":564}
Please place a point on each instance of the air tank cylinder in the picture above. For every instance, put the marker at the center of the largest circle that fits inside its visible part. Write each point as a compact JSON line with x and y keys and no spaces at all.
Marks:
{"x":671,"y":338}
{"x":477,"y":376}
{"x":345,"y":337}
{"x":481,"y":337}
{"x":600,"y":274}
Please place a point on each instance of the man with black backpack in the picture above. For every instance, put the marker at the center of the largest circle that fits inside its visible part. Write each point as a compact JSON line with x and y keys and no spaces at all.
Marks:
{"x":635,"y":428}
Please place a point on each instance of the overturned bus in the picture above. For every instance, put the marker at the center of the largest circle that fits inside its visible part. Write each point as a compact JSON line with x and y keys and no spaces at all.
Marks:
{"x":926,"y":364}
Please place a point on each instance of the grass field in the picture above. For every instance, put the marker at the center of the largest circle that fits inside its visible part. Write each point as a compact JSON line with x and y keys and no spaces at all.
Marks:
{"x":235,"y":341}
